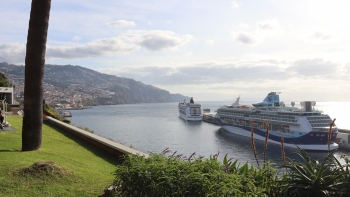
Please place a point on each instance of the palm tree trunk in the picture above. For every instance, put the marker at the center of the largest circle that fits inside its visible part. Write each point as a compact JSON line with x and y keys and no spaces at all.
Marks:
{"x":34,"y":74}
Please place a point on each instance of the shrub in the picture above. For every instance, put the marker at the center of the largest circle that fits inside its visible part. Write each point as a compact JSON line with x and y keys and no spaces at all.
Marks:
{"x":159,"y":175}
{"x":49,"y":111}
{"x":66,"y":121}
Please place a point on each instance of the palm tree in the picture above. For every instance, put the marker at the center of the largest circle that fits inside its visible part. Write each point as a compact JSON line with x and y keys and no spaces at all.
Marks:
{"x":34,"y":74}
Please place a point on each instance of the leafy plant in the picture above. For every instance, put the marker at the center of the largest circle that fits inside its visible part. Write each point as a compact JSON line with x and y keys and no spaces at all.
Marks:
{"x":312,"y":178}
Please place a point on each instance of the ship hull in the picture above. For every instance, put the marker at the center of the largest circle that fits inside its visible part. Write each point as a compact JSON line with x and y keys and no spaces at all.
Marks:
{"x":306,"y":142}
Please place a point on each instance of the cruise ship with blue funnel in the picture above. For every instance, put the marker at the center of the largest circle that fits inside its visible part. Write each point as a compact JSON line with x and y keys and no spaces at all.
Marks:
{"x":304,"y":127}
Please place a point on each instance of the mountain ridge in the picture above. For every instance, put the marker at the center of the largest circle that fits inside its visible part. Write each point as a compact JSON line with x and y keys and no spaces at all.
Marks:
{"x":94,"y":88}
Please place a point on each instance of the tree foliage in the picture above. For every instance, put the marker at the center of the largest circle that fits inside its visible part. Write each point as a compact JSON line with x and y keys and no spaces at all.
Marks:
{"x":3,"y":81}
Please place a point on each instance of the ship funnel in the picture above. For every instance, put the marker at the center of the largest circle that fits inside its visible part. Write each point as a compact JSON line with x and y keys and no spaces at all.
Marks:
{"x":271,"y":100}
{"x":272,"y":97}
{"x":307,"y":106}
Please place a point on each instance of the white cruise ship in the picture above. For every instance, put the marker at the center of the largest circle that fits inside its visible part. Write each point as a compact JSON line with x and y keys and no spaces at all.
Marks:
{"x":305,"y":127}
{"x":190,"y":111}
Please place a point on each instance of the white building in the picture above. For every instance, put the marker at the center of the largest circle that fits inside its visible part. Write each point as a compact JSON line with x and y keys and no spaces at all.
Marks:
{"x":7,"y":92}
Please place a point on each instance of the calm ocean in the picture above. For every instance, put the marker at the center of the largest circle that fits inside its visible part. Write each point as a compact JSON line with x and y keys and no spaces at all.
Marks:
{"x":153,"y":127}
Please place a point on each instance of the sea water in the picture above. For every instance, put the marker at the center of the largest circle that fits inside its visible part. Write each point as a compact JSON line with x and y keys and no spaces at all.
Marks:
{"x":153,"y":127}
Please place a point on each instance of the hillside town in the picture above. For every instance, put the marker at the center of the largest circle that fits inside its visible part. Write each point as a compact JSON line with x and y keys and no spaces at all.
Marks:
{"x":71,"y":97}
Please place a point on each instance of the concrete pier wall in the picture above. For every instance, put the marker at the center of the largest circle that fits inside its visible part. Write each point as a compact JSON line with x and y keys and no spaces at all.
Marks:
{"x":98,"y":141}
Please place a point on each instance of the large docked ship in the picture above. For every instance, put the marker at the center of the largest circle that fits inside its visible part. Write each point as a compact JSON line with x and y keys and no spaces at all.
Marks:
{"x":305,"y":127}
{"x":190,"y":111}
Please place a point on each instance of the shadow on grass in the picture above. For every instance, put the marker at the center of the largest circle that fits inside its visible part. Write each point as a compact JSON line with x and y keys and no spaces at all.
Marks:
{"x":112,"y":159}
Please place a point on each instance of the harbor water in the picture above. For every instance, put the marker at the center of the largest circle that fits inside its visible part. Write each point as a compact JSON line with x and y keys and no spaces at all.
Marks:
{"x":153,"y":127}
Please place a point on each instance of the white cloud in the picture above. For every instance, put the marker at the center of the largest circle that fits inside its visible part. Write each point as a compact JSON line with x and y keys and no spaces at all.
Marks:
{"x":244,"y":37}
{"x":96,"y":48}
{"x":157,"y":40}
{"x":122,"y":23}
{"x":188,"y":54}
{"x":263,"y":30}
{"x":320,"y":36}
{"x":128,"y":42}
{"x":243,"y":26}
{"x":209,"y":42}
{"x":269,"y":27}
{"x":76,"y":38}
{"x":314,"y":68}
{"x":266,"y":25}
{"x":12,"y":53}
{"x":235,"y":4}
{"x":149,"y":23}
{"x":346,"y":70}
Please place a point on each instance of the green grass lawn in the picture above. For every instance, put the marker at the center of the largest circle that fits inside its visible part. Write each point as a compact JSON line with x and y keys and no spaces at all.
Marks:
{"x":88,"y":170}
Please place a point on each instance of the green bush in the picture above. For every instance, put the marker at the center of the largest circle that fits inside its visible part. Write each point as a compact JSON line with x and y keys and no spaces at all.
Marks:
{"x":66,"y":121}
{"x":159,"y":175}
{"x":49,"y":111}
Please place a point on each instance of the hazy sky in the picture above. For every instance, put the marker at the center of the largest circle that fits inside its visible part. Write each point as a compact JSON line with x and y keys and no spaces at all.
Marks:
{"x":211,"y":50}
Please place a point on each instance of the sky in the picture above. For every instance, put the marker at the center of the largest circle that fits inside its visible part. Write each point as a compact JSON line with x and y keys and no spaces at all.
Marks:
{"x":209,"y":50}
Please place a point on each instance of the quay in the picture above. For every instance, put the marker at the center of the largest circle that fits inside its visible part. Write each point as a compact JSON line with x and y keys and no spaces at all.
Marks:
{"x":209,"y":118}
{"x":343,"y":138}
{"x":64,"y":113}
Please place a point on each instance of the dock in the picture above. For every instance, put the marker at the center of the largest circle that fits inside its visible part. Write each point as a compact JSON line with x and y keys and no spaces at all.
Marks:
{"x":343,"y":138}
{"x":64,"y":113}
{"x":209,"y":118}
